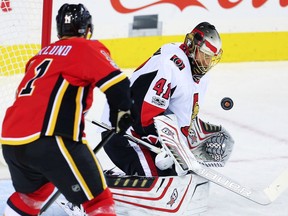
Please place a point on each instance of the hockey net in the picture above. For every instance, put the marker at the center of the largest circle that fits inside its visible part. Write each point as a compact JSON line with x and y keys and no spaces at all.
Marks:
{"x":20,"y":39}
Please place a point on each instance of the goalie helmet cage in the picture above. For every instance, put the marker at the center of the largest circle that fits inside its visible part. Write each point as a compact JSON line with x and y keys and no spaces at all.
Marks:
{"x":25,"y":28}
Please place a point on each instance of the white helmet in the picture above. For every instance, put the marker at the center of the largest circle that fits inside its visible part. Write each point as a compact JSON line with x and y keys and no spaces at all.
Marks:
{"x":204,"y":48}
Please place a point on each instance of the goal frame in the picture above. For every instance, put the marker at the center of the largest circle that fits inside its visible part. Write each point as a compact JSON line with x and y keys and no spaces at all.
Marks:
{"x":46,"y":22}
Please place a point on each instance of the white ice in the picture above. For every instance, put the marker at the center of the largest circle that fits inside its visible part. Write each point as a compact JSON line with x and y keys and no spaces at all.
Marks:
{"x":258,"y":122}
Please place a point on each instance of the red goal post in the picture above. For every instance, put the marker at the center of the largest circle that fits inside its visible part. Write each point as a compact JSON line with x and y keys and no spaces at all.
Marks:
{"x":25,"y":27}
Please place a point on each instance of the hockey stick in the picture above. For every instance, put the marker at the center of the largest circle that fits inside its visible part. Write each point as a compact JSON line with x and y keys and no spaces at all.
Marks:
{"x":262,"y":197}
{"x":95,"y":150}
{"x":129,"y":137}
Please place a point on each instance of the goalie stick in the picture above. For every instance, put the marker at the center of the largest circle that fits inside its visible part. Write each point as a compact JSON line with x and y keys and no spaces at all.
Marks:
{"x":95,"y":150}
{"x":188,"y":163}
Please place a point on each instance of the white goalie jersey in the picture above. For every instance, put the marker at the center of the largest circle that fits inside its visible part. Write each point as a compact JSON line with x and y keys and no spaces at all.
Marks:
{"x":165,"y":84}
{"x":172,"y":90}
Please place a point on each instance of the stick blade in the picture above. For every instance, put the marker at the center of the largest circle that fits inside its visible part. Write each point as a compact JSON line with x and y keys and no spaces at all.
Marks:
{"x":278,"y":186}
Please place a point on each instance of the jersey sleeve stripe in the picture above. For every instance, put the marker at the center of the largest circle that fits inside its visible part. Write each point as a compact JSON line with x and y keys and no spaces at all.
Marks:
{"x":113,"y":81}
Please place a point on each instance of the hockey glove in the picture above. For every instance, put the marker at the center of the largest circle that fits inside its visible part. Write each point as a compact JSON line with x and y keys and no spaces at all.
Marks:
{"x":213,"y":144}
{"x":163,"y":161}
{"x":124,"y":121}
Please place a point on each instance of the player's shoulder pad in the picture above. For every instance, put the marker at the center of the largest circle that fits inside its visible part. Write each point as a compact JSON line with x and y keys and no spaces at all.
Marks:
{"x":175,"y":54}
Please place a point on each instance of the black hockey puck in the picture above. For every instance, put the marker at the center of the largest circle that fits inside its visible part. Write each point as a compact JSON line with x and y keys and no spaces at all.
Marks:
{"x":227,"y":103}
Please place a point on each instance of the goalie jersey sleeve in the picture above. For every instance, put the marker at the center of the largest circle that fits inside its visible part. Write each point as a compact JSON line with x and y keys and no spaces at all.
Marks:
{"x":57,"y":90}
{"x":164,"y":84}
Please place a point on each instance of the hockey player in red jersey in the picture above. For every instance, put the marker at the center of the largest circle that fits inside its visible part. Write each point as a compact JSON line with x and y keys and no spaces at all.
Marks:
{"x":43,"y":136}
{"x":173,"y":81}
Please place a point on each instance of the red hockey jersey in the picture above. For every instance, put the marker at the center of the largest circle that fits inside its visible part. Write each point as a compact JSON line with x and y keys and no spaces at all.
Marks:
{"x":57,"y":90}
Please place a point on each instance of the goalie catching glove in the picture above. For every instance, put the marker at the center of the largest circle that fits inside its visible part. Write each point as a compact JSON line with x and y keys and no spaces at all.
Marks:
{"x":213,"y":143}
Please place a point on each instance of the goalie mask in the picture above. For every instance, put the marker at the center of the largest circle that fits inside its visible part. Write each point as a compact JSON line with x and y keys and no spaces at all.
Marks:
{"x":204,"y":49}
{"x":74,"y":20}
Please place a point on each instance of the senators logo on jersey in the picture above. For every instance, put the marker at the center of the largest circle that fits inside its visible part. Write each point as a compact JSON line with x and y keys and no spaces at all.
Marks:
{"x":178,"y":62}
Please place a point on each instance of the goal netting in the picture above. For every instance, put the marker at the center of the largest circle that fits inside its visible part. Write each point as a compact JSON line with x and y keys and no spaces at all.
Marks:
{"x":20,"y":39}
